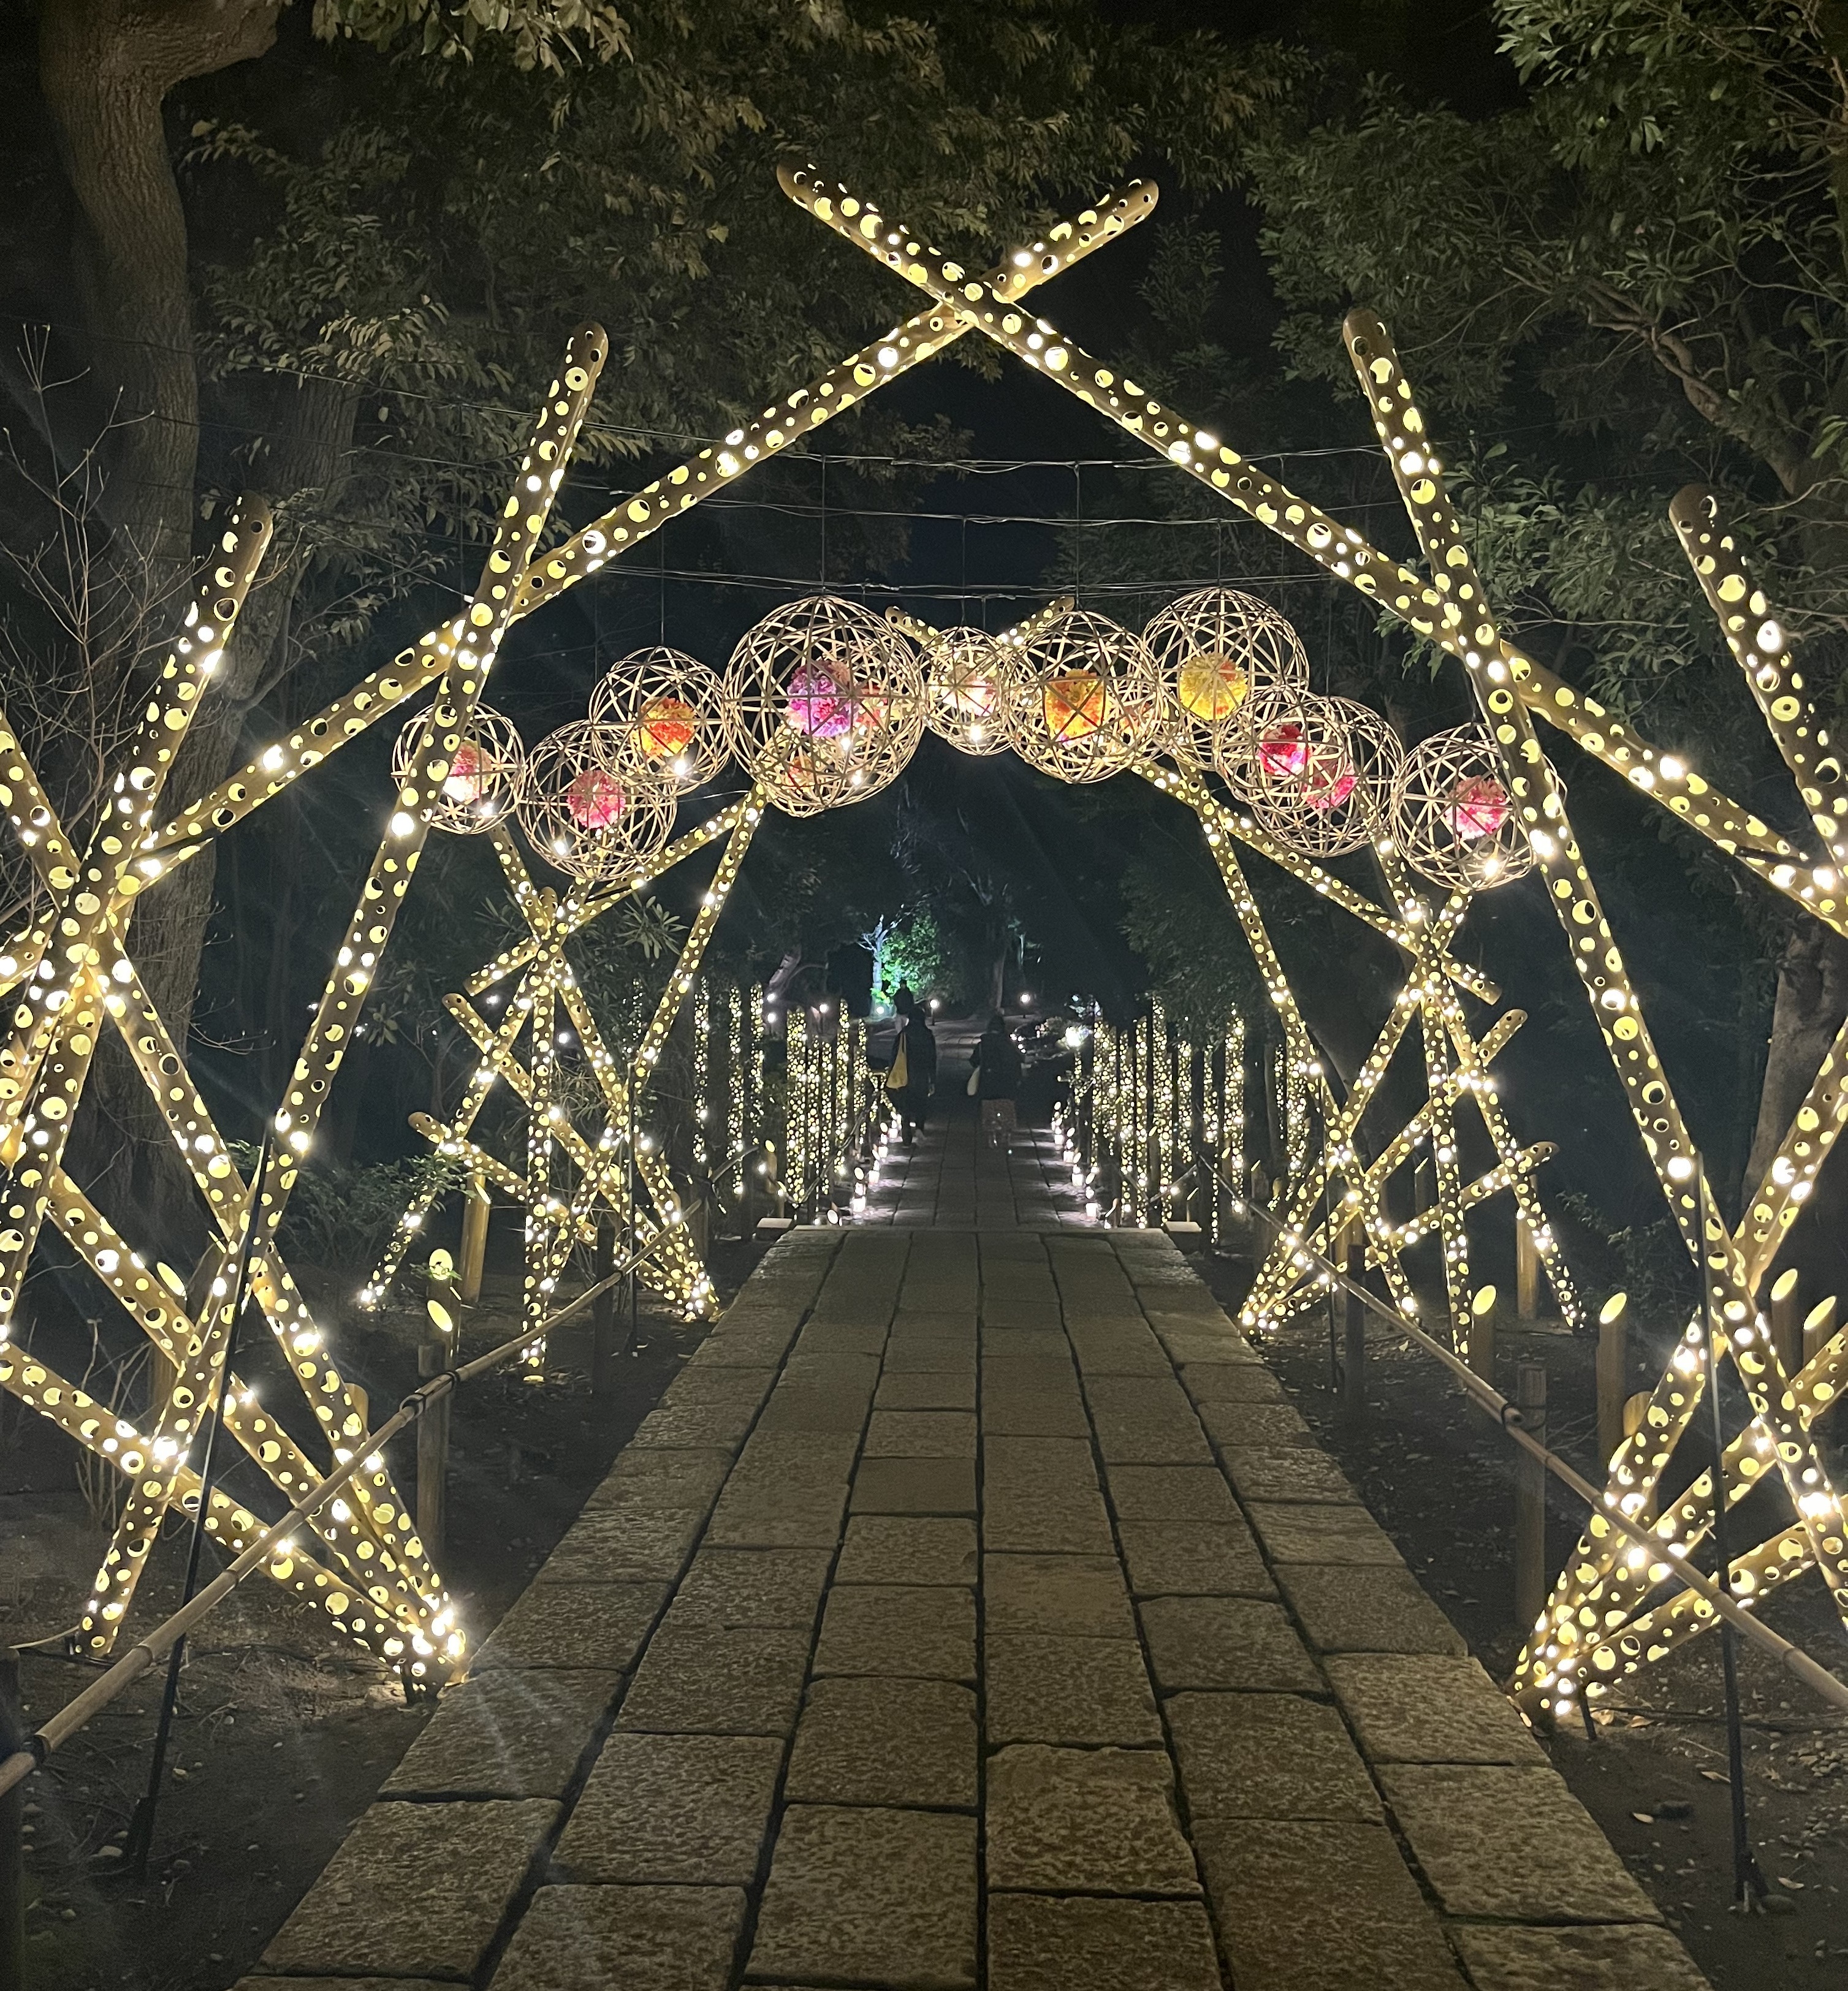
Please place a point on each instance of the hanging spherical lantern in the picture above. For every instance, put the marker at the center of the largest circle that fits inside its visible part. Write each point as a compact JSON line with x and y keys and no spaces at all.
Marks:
{"x":1453,"y":816}
{"x":480,"y":784}
{"x":1084,"y":704}
{"x":673,"y":715}
{"x":1264,"y":744}
{"x":966,"y":675}
{"x":830,"y":703}
{"x":585,"y":806}
{"x":1214,"y":649}
{"x":1319,"y":771}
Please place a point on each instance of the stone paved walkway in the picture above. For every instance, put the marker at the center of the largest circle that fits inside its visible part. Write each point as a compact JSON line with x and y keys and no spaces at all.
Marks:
{"x":953,"y":1179}
{"x":974,"y":1612}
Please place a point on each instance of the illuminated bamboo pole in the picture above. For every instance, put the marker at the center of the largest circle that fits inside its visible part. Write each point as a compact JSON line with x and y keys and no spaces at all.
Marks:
{"x":60,"y":1017}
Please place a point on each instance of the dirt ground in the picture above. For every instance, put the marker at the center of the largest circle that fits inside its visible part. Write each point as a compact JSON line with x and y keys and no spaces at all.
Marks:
{"x":283,"y":1733}
{"x":1438,"y":1474}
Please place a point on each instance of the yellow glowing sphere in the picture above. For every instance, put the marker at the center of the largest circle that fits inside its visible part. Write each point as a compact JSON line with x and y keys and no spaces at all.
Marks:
{"x":1212,"y":686}
{"x":665,"y":726}
{"x":1076,"y":703}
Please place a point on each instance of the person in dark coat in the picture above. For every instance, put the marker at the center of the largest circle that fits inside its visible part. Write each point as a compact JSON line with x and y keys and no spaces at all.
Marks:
{"x":920,"y":1045}
{"x":997,"y":1068}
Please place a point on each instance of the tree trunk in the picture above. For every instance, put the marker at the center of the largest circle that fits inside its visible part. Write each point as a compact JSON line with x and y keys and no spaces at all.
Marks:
{"x":1812,"y":1002}
{"x":106,"y":67}
{"x":1811,"y":1005}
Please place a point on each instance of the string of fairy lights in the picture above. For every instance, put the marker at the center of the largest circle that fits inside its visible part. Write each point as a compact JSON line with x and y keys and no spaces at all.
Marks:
{"x":1148,"y":1108}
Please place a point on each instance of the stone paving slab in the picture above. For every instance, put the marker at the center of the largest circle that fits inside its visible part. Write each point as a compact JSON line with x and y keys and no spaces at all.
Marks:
{"x":866,"y":1896}
{"x":897,"y":1630}
{"x":932,"y":1549}
{"x":619,"y":1545}
{"x":1001,"y":1626}
{"x":1342,"y":1609}
{"x":585,"y":1626}
{"x":1428,"y":1708}
{"x":915,"y":1486}
{"x":903,"y":1744}
{"x":931,"y":1389}
{"x":1511,"y":1844}
{"x":1269,"y":1755}
{"x":664,"y":1478}
{"x":709,"y":1679}
{"x":1575,"y":1959}
{"x":643,"y":1938}
{"x":1286,"y":1472}
{"x":1083,"y":1692}
{"x":1085,"y":1821}
{"x":1230,"y":1643}
{"x":415,"y":1891}
{"x":1320,"y":1907}
{"x":1070,"y":1596}
{"x":768,"y":1588}
{"x":687,"y":1810}
{"x":1040,"y":1942}
{"x":505,"y":1734}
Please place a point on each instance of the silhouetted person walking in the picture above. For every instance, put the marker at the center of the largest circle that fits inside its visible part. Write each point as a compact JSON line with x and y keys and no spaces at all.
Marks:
{"x":917,"y":1049}
{"x":996,"y":1060}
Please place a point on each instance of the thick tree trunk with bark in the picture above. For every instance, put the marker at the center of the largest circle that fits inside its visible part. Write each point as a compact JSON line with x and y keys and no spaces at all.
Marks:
{"x":1811,"y":1004}
{"x":106,"y":67}
{"x":310,"y":431}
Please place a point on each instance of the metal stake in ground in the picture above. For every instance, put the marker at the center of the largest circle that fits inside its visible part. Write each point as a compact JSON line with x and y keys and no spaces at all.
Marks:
{"x":1749,"y":1886}
{"x":141,"y":1826}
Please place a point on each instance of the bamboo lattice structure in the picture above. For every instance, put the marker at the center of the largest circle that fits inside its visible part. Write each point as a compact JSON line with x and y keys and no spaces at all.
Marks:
{"x":1613,"y":1609}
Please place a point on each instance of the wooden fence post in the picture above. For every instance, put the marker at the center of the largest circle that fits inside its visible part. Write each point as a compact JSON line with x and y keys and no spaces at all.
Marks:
{"x":1530,"y":1501}
{"x":1480,"y":1354}
{"x":1526,"y":1270}
{"x":476,"y":1209}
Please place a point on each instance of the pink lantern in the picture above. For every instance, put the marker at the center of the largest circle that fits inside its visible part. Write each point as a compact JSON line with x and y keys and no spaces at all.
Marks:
{"x":595,"y":799}
{"x":466,"y":778}
{"x":1478,"y":807}
{"x":1283,"y":753}
{"x":1327,"y":776}
{"x":821,"y":701}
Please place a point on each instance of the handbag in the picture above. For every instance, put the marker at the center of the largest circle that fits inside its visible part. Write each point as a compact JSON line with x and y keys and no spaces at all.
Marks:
{"x":898,"y":1078}
{"x":975,"y":1081}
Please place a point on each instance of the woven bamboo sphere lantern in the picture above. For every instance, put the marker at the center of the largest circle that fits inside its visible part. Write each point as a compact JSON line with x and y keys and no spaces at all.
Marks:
{"x":1319,"y":771}
{"x":831,"y":703}
{"x":586,"y":808}
{"x":1453,"y":814}
{"x":1214,"y":648}
{"x":675,"y":718}
{"x":966,"y":678}
{"x":1085,"y":703}
{"x":481,"y":783}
